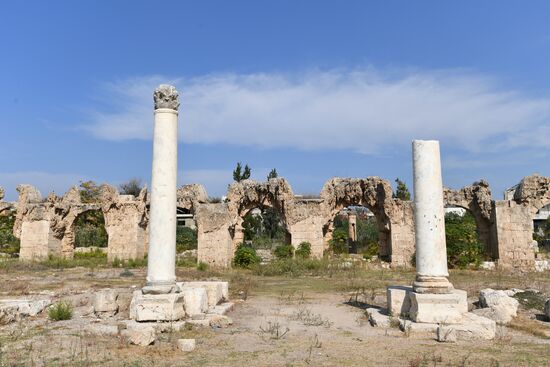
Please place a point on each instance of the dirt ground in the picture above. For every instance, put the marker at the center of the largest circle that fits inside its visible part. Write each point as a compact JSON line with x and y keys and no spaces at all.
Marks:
{"x":284,"y":321}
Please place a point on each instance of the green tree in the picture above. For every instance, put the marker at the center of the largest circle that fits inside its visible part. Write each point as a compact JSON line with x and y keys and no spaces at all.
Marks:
{"x":186,"y":238}
{"x":252,"y":226}
{"x":90,"y":192}
{"x":8,"y":242}
{"x":339,"y":241}
{"x":90,"y":229}
{"x":463,"y":245}
{"x":402,"y":192}
{"x":131,"y":187}
{"x":272,"y":174}
{"x":240,"y":174}
{"x":271,"y":221}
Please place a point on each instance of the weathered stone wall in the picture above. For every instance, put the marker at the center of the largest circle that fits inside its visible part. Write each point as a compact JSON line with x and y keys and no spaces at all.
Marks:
{"x":126,"y":219}
{"x":215,"y":247}
{"x":512,"y":232}
{"x":306,"y":225}
{"x":47,"y":227}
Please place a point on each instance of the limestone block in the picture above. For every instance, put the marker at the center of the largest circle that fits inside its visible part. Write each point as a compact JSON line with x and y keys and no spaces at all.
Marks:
{"x":418,"y":329}
{"x":399,"y":302}
{"x":471,"y":327}
{"x":186,"y":345}
{"x":219,"y":321}
{"x":489,"y":297}
{"x":438,"y":308}
{"x":195,"y":300}
{"x":547,"y":309}
{"x":12,"y":309}
{"x":378,"y":318}
{"x":498,"y":305}
{"x":157,"y":307}
{"x":140,"y":336}
{"x":105,"y":300}
{"x":216,"y":291}
{"x":221,"y":309}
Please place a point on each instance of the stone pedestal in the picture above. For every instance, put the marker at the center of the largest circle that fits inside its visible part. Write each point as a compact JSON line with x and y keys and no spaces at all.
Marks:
{"x":447,"y":308}
{"x":429,"y":216}
{"x":157,"y":307}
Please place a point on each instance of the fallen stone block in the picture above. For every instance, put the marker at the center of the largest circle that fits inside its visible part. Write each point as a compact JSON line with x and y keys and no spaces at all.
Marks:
{"x":399,"y":302}
{"x":105,"y":300}
{"x":438,"y":308}
{"x":219,"y":321}
{"x":411,"y":328}
{"x":157,"y":307}
{"x":378,"y":318}
{"x":195,"y":300}
{"x":140,"y":336}
{"x":489,"y":297}
{"x":13,"y":309}
{"x":221,"y":309}
{"x":472,"y":327}
{"x":216,"y":291}
{"x":498,"y":305}
{"x":186,"y":345}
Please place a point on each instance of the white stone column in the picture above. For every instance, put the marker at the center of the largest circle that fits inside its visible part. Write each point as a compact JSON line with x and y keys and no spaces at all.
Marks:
{"x":429,"y":216}
{"x":161,"y":263}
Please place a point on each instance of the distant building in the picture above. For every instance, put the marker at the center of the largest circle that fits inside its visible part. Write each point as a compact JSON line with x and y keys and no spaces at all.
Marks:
{"x":456,"y":210}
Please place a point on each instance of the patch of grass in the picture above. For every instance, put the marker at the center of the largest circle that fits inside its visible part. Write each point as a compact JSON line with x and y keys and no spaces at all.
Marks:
{"x":531,"y":300}
{"x":96,"y":253}
{"x":61,"y":311}
{"x":529,"y":327}
{"x":186,"y":262}
{"x":202,"y":266}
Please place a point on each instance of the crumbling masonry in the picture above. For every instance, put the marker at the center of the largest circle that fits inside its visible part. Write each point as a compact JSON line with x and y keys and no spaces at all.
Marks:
{"x":46,"y":226}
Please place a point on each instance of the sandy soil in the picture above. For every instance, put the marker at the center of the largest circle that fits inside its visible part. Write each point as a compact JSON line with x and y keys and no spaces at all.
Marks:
{"x":283,"y":322}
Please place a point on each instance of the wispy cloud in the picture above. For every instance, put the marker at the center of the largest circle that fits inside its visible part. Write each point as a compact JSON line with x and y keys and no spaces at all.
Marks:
{"x":361,"y":110}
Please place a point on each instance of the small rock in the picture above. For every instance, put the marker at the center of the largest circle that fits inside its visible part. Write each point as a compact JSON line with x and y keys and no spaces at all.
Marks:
{"x":143,"y":336}
{"x":219,"y":321}
{"x":106,"y":301}
{"x":186,"y":345}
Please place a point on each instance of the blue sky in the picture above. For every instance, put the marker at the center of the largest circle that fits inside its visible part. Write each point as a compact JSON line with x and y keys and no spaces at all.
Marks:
{"x":314,"y":88}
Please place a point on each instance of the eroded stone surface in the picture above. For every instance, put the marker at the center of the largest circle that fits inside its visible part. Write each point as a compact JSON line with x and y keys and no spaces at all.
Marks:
{"x":157,"y":307}
{"x":438,"y":308}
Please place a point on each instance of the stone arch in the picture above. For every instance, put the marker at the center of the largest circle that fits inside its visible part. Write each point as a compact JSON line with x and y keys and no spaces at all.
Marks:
{"x":477,"y":200}
{"x":395,"y":232}
{"x":246,"y":195}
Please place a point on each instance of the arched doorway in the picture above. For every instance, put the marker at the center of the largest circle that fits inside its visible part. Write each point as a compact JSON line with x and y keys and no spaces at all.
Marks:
{"x":354,"y":230}
{"x":90,"y":235}
{"x":186,"y":230}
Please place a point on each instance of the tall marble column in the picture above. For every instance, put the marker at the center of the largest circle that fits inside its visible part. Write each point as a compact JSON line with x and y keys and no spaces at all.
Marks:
{"x":429,"y":216}
{"x":161,"y":263}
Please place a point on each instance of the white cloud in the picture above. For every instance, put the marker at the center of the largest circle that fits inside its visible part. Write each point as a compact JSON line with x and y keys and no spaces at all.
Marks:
{"x":362,"y":110}
{"x":45,"y":182}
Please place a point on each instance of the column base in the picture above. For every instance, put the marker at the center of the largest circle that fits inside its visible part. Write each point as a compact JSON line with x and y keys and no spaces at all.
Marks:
{"x":157,"y":307}
{"x":445,"y":308}
{"x":428,"y":284}
{"x":160,"y":288}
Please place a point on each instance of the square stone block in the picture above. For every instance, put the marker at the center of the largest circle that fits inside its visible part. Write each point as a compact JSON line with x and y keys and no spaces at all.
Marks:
{"x":157,"y":307}
{"x":471,"y":327}
{"x":447,"y":308}
{"x":216,"y":291}
{"x":399,"y":302}
{"x":195,"y":300}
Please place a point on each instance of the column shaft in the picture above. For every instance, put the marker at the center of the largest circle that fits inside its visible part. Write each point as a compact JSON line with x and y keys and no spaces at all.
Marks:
{"x":429,"y":215}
